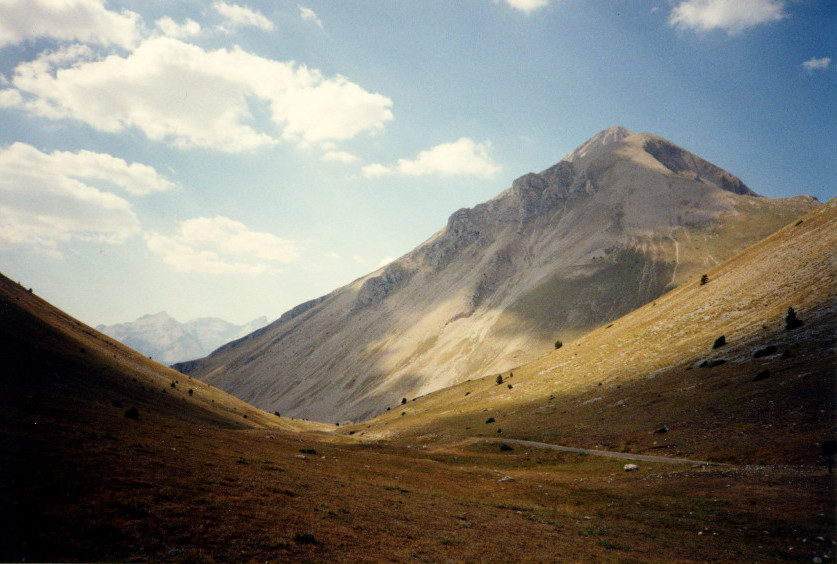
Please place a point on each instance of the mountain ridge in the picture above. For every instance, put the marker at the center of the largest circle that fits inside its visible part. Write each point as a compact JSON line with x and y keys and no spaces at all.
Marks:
{"x":616,"y":223}
{"x":169,"y":341}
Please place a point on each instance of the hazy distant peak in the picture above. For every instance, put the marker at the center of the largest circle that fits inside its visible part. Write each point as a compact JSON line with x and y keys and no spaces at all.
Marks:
{"x":599,"y":141}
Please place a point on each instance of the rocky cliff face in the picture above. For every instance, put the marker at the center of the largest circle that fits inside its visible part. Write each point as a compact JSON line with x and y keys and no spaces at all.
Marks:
{"x":612,"y":226}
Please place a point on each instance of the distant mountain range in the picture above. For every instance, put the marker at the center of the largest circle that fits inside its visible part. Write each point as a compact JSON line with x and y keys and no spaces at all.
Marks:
{"x":615,"y":224}
{"x":168,"y":341}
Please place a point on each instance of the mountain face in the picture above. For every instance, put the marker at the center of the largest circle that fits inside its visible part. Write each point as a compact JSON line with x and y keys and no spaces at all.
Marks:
{"x":618,"y":222}
{"x":168,"y":341}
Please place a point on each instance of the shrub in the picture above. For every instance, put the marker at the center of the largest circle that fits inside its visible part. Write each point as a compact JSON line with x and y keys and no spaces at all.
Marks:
{"x":191,"y":391}
{"x":499,"y":379}
{"x":558,"y":344}
{"x":489,"y":420}
{"x":276,"y":413}
{"x":308,"y":451}
{"x":132,"y":413}
{"x":791,"y":321}
{"x":305,"y":538}
{"x":704,"y":279}
{"x":510,"y":386}
{"x":173,"y":385}
{"x":403,"y":401}
{"x":504,"y":447}
{"x":719,"y":342}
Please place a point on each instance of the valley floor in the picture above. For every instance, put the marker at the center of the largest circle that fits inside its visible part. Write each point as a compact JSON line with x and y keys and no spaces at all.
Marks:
{"x":83,"y":483}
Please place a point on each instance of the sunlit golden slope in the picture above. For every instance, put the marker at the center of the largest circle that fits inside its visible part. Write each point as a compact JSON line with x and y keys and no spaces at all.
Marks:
{"x":638,"y":384}
{"x":49,"y":359}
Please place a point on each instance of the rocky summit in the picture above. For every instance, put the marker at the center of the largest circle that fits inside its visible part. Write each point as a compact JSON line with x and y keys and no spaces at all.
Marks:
{"x":619,"y":221}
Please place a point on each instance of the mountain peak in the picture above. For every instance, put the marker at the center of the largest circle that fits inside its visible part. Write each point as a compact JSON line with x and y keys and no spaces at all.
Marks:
{"x":599,"y":141}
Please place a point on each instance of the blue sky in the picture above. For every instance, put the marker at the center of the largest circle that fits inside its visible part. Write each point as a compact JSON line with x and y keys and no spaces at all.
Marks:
{"x":233,"y":159}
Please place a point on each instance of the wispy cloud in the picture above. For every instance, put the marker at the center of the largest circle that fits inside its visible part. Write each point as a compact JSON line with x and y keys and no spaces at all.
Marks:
{"x":462,"y":157}
{"x":242,"y":16}
{"x":732,"y":16}
{"x":170,"y":28}
{"x":50,"y":198}
{"x":339,"y":157}
{"x":220,"y":245}
{"x":309,"y":15}
{"x":814,"y":64}
{"x":80,"y":20}
{"x":527,"y":6}
{"x":178,"y":93}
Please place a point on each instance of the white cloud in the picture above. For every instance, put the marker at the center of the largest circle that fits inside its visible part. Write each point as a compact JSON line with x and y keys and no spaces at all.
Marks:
{"x":339,"y":157}
{"x":77,"y":20}
{"x":170,"y":28}
{"x":46,"y":199}
{"x":527,"y":6}
{"x":242,"y":16}
{"x":308,"y":15}
{"x":733,"y":16}
{"x":220,"y":245}
{"x":817,"y":64}
{"x":180,"y":94}
{"x":462,"y":157}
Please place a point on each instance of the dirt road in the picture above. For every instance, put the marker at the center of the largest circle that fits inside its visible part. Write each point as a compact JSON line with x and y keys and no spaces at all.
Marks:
{"x":626,"y":455}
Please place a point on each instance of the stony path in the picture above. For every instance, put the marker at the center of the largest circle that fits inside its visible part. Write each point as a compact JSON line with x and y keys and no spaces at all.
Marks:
{"x":627,"y":455}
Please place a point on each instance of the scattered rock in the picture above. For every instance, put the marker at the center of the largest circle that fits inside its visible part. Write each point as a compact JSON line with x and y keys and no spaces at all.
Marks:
{"x":302,"y":457}
{"x":631,"y":467}
{"x":506,"y":479}
{"x":766,"y":351}
{"x":763,"y":375}
{"x":661,"y":430}
{"x":719,"y":342}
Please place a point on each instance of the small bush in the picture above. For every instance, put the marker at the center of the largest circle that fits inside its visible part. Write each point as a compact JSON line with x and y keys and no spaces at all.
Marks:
{"x":132,"y":413}
{"x":791,"y":321}
{"x":191,"y":391}
{"x":719,"y":342}
{"x":499,"y":379}
{"x":558,"y":344}
{"x":173,"y":385}
{"x":704,"y":279}
{"x":276,"y":413}
{"x":305,"y":538}
{"x":510,"y":386}
{"x":711,"y":363}
{"x":504,"y":447}
{"x":489,"y":420}
{"x":403,"y":401}
{"x":308,"y":451}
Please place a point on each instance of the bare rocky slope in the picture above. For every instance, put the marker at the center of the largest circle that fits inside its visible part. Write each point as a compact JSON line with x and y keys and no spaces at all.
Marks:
{"x":618,"y":222}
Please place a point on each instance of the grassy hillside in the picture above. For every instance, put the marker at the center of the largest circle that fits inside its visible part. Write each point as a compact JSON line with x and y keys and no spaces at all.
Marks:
{"x":616,"y":386}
